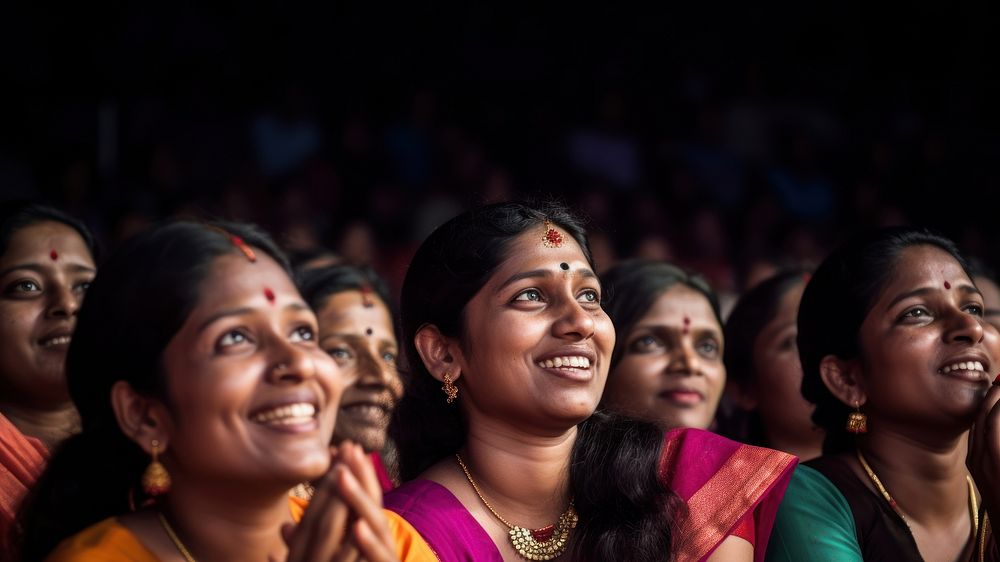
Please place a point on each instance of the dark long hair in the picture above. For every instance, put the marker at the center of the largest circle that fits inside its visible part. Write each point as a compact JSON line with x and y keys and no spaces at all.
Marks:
{"x":138,"y":301}
{"x":15,"y":215}
{"x":633,"y":286}
{"x":755,"y":310}
{"x":848,"y":283}
{"x":621,"y":518}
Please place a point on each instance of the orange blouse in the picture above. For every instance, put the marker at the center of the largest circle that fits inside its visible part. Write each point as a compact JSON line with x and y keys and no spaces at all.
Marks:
{"x":110,"y":541}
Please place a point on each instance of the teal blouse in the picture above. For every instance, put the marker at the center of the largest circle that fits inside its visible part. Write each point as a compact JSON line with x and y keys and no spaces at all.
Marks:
{"x":814,"y":522}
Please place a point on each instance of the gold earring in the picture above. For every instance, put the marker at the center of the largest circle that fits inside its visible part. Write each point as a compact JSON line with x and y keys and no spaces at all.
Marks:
{"x":449,"y":388}
{"x":857,"y":422}
{"x":156,"y":479}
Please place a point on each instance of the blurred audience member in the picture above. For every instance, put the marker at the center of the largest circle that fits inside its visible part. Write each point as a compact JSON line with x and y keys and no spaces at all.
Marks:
{"x":667,"y":362}
{"x":764,"y":403}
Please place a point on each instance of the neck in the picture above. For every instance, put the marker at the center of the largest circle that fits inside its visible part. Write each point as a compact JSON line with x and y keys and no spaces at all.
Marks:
{"x":216,"y":524}
{"x":50,"y":425}
{"x":927,"y":480}
{"x":525,"y":477}
{"x":805,"y":449}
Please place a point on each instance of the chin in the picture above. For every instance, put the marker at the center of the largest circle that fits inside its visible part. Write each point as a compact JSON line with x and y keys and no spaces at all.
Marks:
{"x":370,"y":439}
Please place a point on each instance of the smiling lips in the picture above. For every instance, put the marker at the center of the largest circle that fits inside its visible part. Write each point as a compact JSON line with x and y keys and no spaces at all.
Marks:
{"x":288,"y":415}
{"x":55,"y":340}
{"x":963,"y":366}
{"x":569,"y":361}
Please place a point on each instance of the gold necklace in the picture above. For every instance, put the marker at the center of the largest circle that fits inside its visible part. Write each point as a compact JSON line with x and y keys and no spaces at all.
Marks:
{"x":973,"y":505}
{"x":173,"y":537}
{"x":539,"y":544}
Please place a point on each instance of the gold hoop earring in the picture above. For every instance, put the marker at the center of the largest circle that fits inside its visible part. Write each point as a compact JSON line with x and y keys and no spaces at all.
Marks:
{"x":449,"y":388}
{"x":156,"y":479}
{"x":857,"y":422}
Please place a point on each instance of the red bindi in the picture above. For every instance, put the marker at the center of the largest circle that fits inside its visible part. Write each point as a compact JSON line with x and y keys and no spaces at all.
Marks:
{"x":54,"y":255}
{"x":368,"y":331}
{"x":269,"y":295}
{"x":687,"y":324}
{"x":947,"y":285}
{"x":552,"y":238}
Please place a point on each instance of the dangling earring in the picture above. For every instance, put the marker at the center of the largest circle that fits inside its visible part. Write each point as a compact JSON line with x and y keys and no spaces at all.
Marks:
{"x":449,"y":388}
{"x":156,"y":479}
{"x":857,"y":422}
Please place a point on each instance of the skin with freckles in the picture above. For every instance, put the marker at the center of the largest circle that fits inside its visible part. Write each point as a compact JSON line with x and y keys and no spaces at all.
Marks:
{"x":672,"y":371}
{"x":39,"y":298}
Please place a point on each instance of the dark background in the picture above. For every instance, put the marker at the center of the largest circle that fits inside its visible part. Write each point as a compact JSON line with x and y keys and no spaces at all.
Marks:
{"x":728,"y":137}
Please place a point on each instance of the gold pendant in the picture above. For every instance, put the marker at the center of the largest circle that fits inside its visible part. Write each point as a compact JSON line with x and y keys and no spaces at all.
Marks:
{"x":531,"y":548}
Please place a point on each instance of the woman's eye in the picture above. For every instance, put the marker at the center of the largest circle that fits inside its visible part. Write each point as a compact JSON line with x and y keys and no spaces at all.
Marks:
{"x":645,"y":343}
{"x":24,"y":286}
{"x":234,"y":337}
{"x":708,"y":348}
{"x":590,"y":296}
{"x":916,"y":313}
{"x":787,"y":343}
{"x":83,"y":287}
{"x":340,"y":354}
{"x":303,"y":333}
{"x":974,"y":309}
{"x":533,"y":295}
{"x":389,"y":358}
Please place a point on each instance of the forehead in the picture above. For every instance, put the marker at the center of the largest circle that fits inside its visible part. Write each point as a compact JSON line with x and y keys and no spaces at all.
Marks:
{"x":350,"y":305}
{"x":527,"y":252}
{"x":233,"y":277}
{"x":678,"y":302}
{"x":41,"y":238}
{"x":919,"y":266}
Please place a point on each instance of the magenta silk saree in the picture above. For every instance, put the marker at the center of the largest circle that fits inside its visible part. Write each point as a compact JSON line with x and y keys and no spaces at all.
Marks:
{"x":719,"y":480}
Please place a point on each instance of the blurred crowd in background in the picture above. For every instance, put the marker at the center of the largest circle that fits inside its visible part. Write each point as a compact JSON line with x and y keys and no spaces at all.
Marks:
{"x":728,"y":139}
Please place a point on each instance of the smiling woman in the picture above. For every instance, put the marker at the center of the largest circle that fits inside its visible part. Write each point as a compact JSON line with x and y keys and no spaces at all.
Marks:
{"x":204,"y":398}
{"x":356,"y":329}
{"x":46,"y":265}
{"x":499,"y":430}
{"x":897,"y":358}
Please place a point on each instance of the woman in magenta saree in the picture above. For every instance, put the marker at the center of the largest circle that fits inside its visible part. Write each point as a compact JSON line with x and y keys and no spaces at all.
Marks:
{"x":504,"y":453}
{"x":729,"y":489}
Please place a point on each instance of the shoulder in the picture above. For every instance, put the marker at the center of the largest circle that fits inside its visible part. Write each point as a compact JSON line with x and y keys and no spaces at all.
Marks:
{"x":440,"y":519}
{"x":108,"y":541}
{"x":814,"y":520}
{"x":693,"y":456}
{"x":424,"y":498}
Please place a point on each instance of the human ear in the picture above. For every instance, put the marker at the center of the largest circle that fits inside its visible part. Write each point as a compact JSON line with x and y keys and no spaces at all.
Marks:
{"x":141,"y":418}
{"x":438,"y":352}
{"x":842,"y":379}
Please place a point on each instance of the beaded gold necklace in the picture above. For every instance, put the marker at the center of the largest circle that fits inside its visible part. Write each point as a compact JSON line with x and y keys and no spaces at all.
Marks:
{"x":539,"y":544}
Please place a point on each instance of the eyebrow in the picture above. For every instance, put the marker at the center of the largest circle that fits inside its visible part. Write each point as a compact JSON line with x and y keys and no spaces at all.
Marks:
{"x":542,"y":274}
{"x":229,"y":312}
{"x":966,"y":288}
{"x":75,"y":268}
